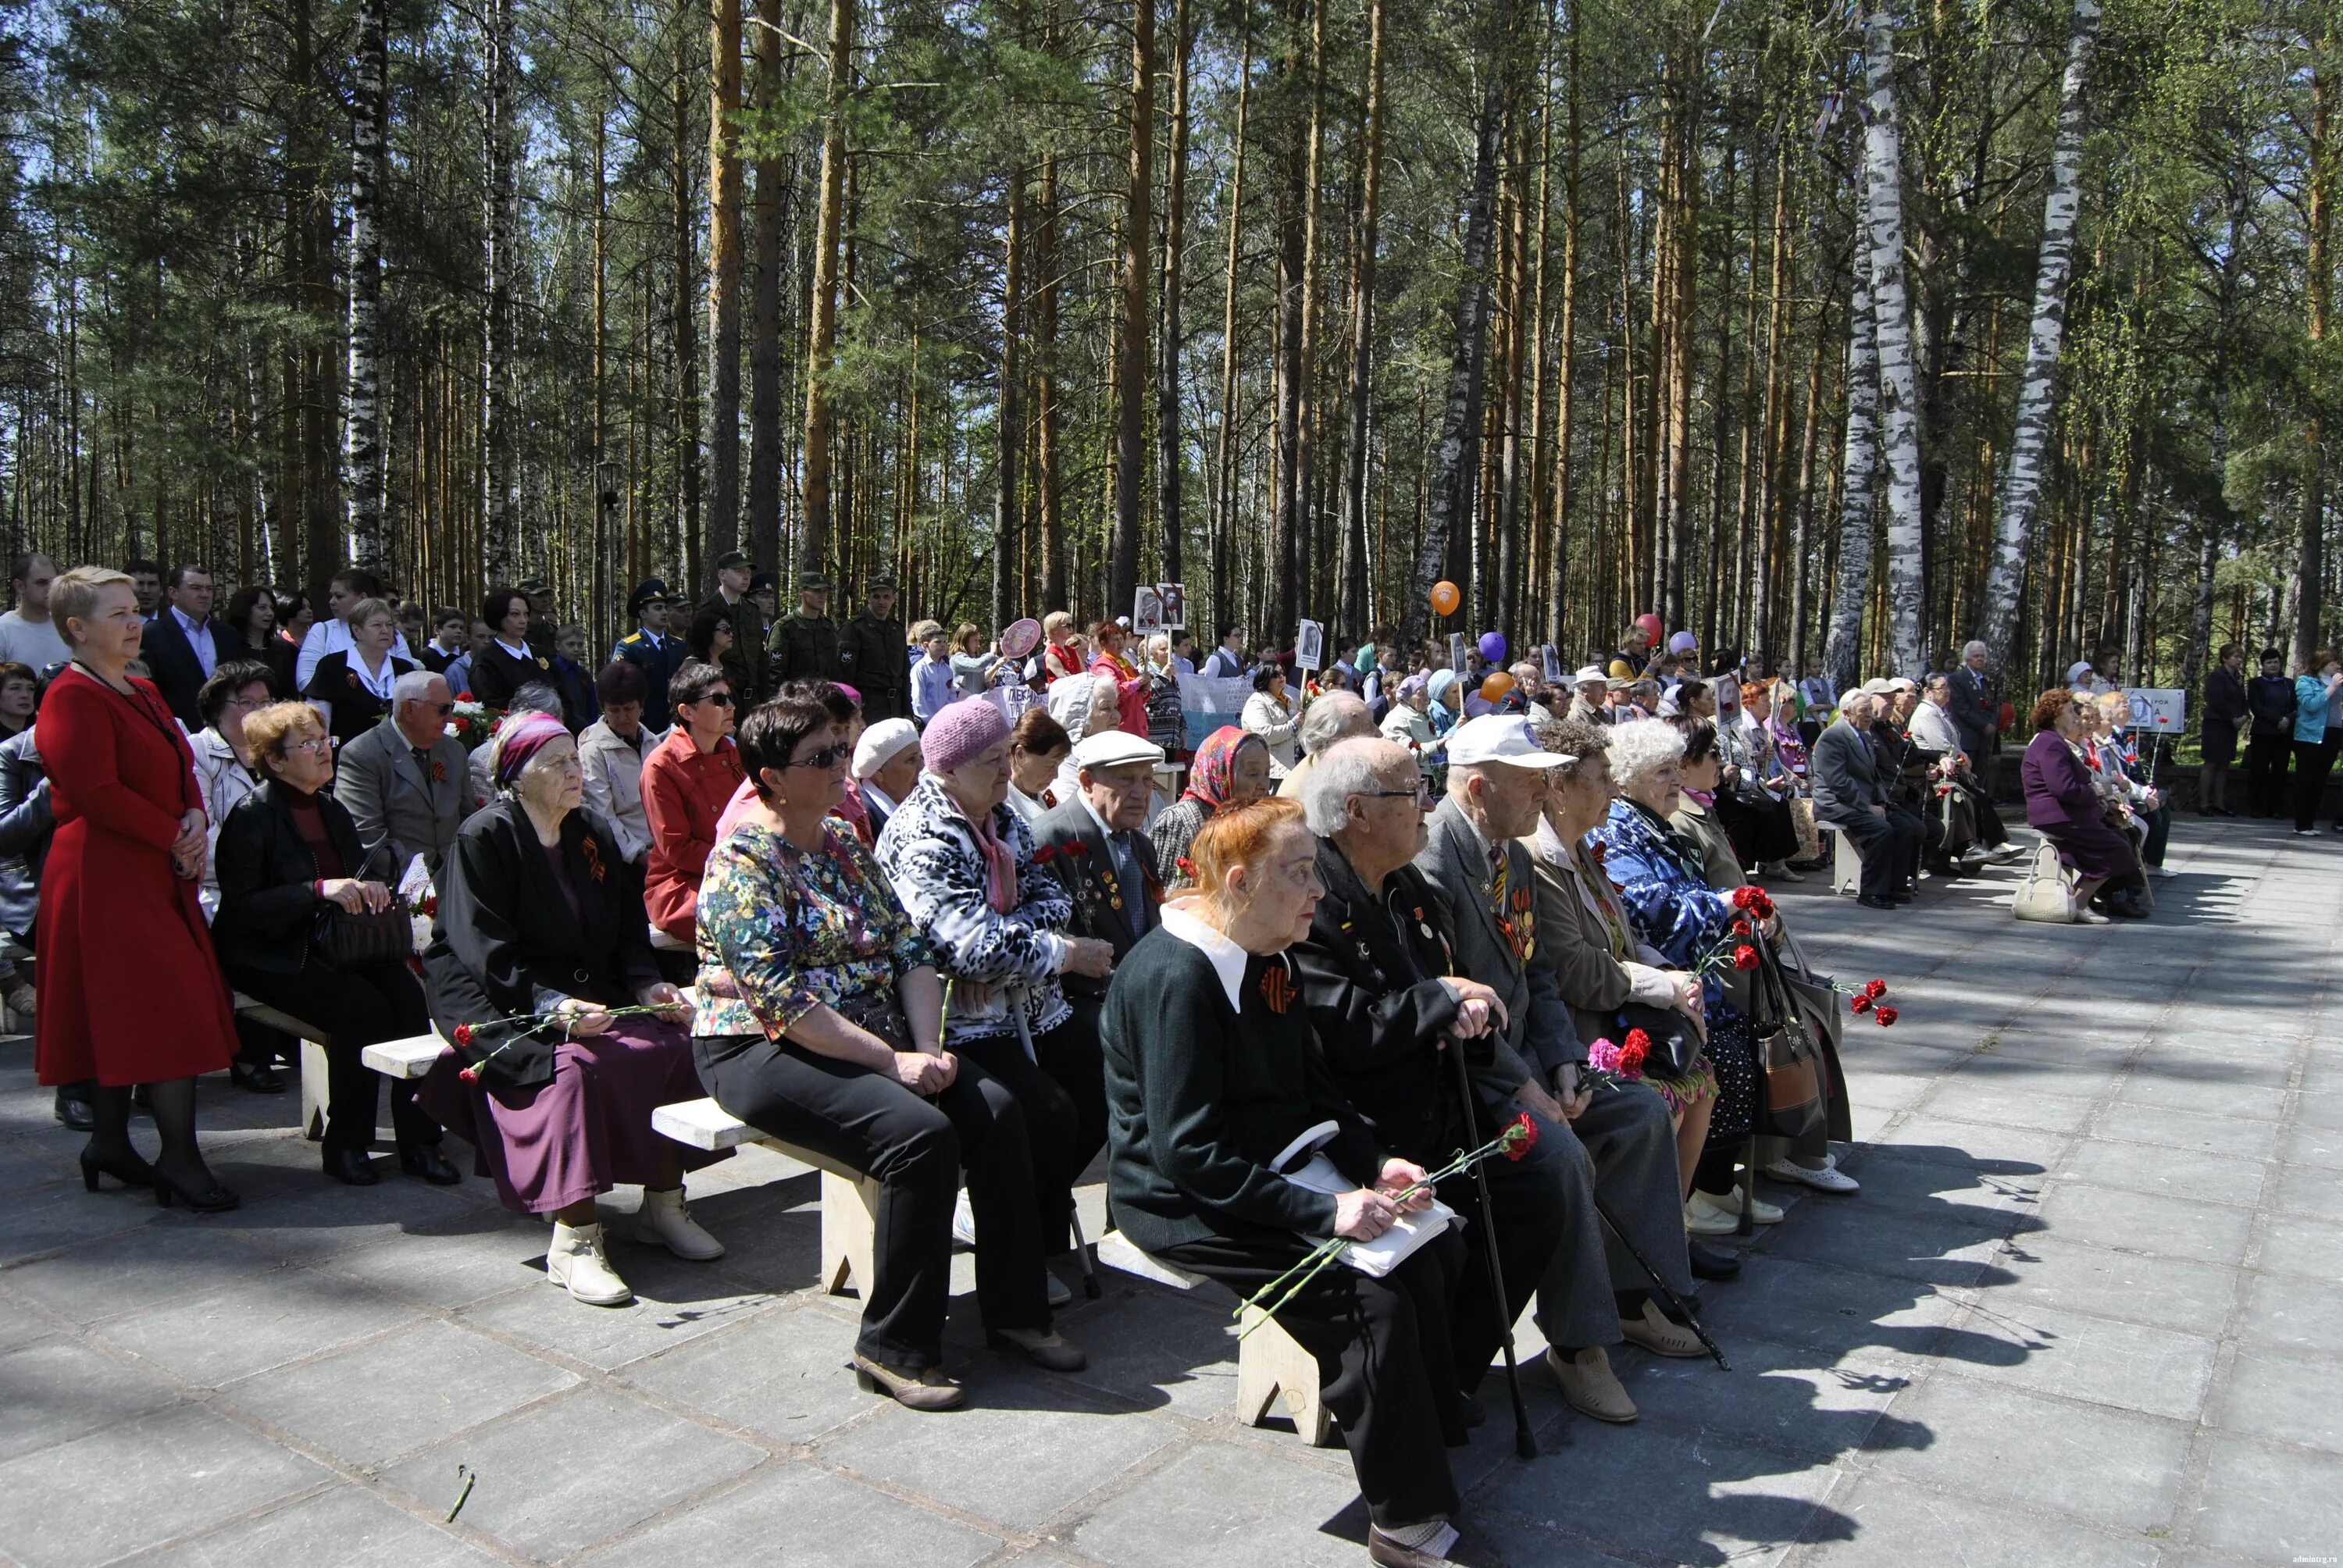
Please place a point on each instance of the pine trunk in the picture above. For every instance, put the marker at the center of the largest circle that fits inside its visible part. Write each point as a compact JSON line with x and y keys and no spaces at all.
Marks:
{"x":821,"y":338}
{"x":1224,"y":521}
{"x":723,"y":276}
{"x":1859,"y":470}
{"x":765,"y":457}
{"x":2310,"y":556}
{"x":1006,"y":514}
{"x":1169,"y":444}
{"x":1131,"y":345}
{"x":1355,"y":613}
{"x":499,"y":491}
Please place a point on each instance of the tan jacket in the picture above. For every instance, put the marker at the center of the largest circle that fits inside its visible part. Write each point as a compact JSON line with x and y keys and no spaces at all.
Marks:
{"x":1593,"y":982}
{"x":1721,"y":864}
{"x":614,"y":784}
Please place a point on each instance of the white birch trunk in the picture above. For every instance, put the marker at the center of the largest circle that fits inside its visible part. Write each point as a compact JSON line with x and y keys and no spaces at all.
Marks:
{"x":498,"y":495}
{"x":363,"y":465}
{"x":1899,"y":404}
{"x":1860,"y":462}
{"x":2021,"y":481}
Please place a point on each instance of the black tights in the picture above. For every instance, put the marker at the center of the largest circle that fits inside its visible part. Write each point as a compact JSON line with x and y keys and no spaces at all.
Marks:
{"x":173,"y":1104}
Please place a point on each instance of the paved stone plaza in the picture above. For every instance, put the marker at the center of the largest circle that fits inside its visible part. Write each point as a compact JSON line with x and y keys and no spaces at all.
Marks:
{"x":2084,"y":1313}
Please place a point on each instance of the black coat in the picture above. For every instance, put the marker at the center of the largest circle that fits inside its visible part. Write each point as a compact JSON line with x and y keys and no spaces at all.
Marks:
{"x":172,"y":662}
{"x":1370,"y":974}
{"x":268,"y":908}
{"x":355,"y":710}
{"x":1093,"y":882}
{"x":506,"y":942}
{"x":496,"y":675}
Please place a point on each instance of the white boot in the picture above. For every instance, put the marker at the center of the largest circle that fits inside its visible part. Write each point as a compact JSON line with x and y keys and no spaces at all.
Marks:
{"x":577,"y":1262}
{"x":664,"y":1221}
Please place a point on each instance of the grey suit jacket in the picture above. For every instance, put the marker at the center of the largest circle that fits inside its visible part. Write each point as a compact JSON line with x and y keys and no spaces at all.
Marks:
{"x":1973,"y":713}
{"x":1844,"y":772}
{"x":1539,"y":1035}
{"x":388,"y":795}
{"x":1095,"y":884}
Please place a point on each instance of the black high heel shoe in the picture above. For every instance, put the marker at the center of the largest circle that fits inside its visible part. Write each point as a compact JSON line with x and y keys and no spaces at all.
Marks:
{"x":134,"y":1172}
{"x":217,"y":1201}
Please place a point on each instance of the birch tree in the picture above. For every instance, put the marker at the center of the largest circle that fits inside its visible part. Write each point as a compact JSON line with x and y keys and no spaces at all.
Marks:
{"x":363,"y":468}
{"x":499,"y":484}
{"x":2021,"y":480}
{"x":1899,"y":404}
{"x":1860,"y":465}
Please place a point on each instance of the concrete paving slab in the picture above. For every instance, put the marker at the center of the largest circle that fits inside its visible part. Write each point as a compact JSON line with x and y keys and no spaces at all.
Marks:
{"x":796,"y":1516}
{"x":2269,"y":1501}
{"x":2286,"y":1397}
{"x":2167,"y":1172}
{"x":1926,"y":1528}
{"x":249,"y":1327}
{"x":55,"y":1389}
{"x":354,"y":1526}
{"x":781,"y":1375}
{"x":2137,"y":1222}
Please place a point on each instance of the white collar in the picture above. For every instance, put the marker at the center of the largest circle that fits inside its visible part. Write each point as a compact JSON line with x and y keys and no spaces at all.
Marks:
{"x":521,"y":653}
{"x":1228,"y":959}
{"x":191,"y":625}
{"x":873,"y":794}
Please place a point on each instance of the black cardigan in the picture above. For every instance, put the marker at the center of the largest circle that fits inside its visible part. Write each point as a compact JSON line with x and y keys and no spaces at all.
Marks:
{"x":505,"y":942}
{"x":1201,"y":1097}
{"x":268,"y":908}
{"x":356,"y":709}
{"x":496,"y":675}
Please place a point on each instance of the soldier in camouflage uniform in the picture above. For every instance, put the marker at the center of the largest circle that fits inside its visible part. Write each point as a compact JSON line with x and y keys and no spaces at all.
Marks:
{"x":877,"y":659}
{"x":805,"y":642}
{"x":745,"y":662}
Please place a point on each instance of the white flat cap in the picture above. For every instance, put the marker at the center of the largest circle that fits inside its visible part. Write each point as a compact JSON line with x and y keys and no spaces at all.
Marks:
{"x":1112,"y":749}
{"x":1505,"y":738}
{"x":881,"y":743}
{"x":1589,"y":674}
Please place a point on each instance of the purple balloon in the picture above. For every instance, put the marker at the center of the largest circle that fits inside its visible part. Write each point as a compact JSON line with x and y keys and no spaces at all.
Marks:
{"x":1493,"y":647}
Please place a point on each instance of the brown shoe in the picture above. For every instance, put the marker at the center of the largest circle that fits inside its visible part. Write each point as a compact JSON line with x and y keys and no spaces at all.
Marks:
{"x":926,"y":1390}
{"x":1049,"y":1352}
{"x":1655,"y":1334}
{"x":1588,"y":1386}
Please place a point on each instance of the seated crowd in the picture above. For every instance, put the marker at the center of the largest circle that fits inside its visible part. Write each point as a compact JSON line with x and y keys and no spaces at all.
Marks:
{"x":945,"y":939}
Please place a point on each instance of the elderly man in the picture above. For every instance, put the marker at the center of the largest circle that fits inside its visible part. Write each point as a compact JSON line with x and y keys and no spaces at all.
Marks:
{"x":406,"y":778}
{"x":1615,"y":1148}
{"x":1590,"y":695}
{"x":1331,"y":717}
{"x":1977,"y":713}
{"x":1851,"y":794}
{"x":1934,"y":727}
{"x":805,"y":642}
{"x":1374,"y":973}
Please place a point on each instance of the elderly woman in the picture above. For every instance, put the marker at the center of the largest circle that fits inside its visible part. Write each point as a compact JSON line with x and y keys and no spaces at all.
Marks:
{"x":566,"y":1038}
{"x":686,"y":781}
{"x":118,"y":890}
{"x":818,"y":1019}
{"x":354,"y":684}
{"x":1445,"y":694}
{"x":2113,"y":755}
{"x":1111,"y":662}
{"x":1409,"y":722}
{"x":289,"y":855}
{"x":2063,"y":800}
{"x":886,"y":768}
{"x":963,"y":864}
{"x":1167,"y":721}
{"x":1662,"y":884}
{"x":1602,"y":966}
{"x":1038,"y":749}
{"x":1752,"y":797}
{"x":1213,"y":1076}
{"x":1232,"y":768}
{"x":1269,"y":714}
{"x":612,"y":751}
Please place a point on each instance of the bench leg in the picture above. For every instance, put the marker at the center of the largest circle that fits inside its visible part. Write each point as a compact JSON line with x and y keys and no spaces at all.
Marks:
{"x":1269,"y":1364}
{"x":850,"y":1228}
{"x":1846,"y":865}
{"x":314,"y":1091}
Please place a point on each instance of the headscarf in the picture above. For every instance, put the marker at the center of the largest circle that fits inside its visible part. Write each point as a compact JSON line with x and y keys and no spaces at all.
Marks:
{"x":1211,"y":775}
{"x":522,"y":738}
{"x":1070,"y":703}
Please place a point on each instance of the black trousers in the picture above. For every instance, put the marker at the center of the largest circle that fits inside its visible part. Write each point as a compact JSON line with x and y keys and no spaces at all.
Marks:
{"x":356,"y":1009}
{"x":1990,"y":832}
{"x":1063,"y":1092}
{"x":2266,"y":759}
{"x":1384,"y":1366}
{"x":916,"y":1150}
{"x":2312,"y":763}
{"x":1762,"y":832}
{"x":1890,"y":848}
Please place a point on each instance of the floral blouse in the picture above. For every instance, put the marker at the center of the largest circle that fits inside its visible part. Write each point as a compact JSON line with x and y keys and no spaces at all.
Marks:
{"x":1659,"y":881}
{"x":782,"y":931}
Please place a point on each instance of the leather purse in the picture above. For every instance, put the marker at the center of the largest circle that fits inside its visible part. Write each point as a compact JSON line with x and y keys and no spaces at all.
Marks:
{"x":1675,"y":1044}
{"x":1792,"y":1105}
{"x":367,"y":939}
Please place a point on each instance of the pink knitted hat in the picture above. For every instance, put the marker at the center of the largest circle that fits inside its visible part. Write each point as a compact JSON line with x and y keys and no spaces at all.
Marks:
{"x":960,"y":732}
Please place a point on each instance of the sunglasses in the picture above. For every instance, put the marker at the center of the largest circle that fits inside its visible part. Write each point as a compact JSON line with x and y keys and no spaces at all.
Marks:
{"x":828,"y":757}
{"x":721,"y":699}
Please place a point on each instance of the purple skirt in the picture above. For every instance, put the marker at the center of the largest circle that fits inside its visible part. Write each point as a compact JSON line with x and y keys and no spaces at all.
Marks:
{"x":588,"y":1130}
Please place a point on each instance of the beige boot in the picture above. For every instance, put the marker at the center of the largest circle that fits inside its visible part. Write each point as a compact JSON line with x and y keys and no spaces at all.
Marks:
{"x":1589,"y":1386}
{"x":664,"y":1221}
{"x":577,"y":1262}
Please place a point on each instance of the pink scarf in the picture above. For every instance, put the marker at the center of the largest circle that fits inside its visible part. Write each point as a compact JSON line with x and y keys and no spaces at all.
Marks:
{"x":999,"y":866}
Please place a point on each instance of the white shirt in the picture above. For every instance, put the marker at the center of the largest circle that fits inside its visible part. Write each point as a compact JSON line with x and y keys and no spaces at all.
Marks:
{"x":1933,"y":728}
{"x":35,"y":644}
{"x":332,"y":635}
{"x":199,"y":638}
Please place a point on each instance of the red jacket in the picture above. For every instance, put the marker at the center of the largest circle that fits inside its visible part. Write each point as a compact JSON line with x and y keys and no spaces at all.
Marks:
{"x":1130,"y":692}
{"x":684,"y":792}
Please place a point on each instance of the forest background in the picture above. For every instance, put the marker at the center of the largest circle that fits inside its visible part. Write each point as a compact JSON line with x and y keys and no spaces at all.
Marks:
{"x":1820,"y":330}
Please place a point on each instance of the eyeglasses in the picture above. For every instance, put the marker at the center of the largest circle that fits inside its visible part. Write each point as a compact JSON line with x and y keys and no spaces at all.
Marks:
{"x":312,"y":743}
{"x":442,"y":709}
{"x":828,"y":757}
{"x":1421,"y":793}
{"x":721,"y":699}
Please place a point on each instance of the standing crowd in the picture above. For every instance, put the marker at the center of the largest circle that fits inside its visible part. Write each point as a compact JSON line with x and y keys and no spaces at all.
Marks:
{"x":962,"y":911}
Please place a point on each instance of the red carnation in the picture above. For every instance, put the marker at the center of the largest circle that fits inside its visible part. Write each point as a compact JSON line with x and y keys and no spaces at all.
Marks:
{"x":1746,"y":897}
{"x":1876,"y":989}
{"x":1637,"y":1041}
{"x":1886,"y":1015}
{"x":1745,"y":957}
{"x":464,"y":697}
{"x":1046,"y":853}
{"x":1632,"y":1054}
{"x":463,"y":1034}
{"x":1742,"y":928}
{"x":469,"y":1074}
{"x":1519,"y":1137}
{"x":1077,"y":849}
{"x":1859,"y":1003}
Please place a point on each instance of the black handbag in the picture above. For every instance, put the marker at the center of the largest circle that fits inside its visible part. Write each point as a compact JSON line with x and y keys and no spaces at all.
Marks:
{"x":1792,"y":1105}
{"x":365,"y":941}
{"x":1675,"y":1044}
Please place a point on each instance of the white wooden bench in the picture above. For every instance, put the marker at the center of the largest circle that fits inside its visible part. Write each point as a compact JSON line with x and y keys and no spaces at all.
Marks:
{"x":405,"y":1059}
{"x":1269,"y":1362}
{"x":850,"y":1200}
{"x":315,"y":1098}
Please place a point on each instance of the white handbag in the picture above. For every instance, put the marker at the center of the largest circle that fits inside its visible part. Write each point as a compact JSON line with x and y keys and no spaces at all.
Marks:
{"x":2045,"y":894}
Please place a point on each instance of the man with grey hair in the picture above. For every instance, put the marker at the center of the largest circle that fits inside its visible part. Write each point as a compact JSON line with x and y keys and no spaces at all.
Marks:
{"x":1331,"y":715}
{"x":1851,"y":794}
{"x":405,"y":780}
{"x":1977,"y":713}
{"x":1619,"y":1148}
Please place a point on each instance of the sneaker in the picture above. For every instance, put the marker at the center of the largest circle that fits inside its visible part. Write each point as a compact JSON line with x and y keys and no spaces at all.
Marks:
{"x":1707,"y":1219}
{"x":2162,"y":873}
{"x":1729,"y":1205}
{"x":2003,"y":854}
{"x":1779,"y":871}
{"x":1828,"y":1179}
{"x":963,"y":1223}
{"x":664,"y":1221}
{"x":1590,"y":1386}
{"x":2306,"y":833}
{"x":20,"y":1001}
{"x":577,"y":1262}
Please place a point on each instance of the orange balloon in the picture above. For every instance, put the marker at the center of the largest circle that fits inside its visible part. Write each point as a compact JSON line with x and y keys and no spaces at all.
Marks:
{"x":1445,"y":597}
{"x":1496,"y":686}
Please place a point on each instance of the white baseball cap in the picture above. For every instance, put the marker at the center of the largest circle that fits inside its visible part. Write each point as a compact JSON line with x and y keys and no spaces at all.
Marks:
{"x":1112,"y":749}
{"x":881,"y":743}
{"x":1505,"y":738}
{"x":1589,"y":675}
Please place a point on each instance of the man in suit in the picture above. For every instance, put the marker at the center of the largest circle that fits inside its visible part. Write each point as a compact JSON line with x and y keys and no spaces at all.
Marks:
{"x":870,"y":653}
{"x":1851,"y":794}
{"x":747,"y":667}
{"x":1977,"y":714}
{"x":185,"y":642}
{"x":407,"y":779}
{"x":1618,"y":1149}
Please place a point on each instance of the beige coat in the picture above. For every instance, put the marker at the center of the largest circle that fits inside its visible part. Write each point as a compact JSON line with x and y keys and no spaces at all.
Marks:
{"x":614,"y":784}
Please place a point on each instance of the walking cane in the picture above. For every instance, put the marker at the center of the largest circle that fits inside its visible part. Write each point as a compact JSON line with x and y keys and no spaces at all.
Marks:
{"x":1676,"y":1303}
{"x":1090,"y":1289}
{"x":1524,"y":1443}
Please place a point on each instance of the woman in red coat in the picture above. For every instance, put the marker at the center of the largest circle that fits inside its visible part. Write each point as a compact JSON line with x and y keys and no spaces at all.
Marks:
{"x":1130,"y":685}
{"x":129,"y":991}
{"x":687,"y":780}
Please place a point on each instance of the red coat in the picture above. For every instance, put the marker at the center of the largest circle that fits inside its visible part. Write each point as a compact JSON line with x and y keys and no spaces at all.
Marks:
{"x":685,"y":790}
{"x":1130,"y":693}
{"x":129,"y":991}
